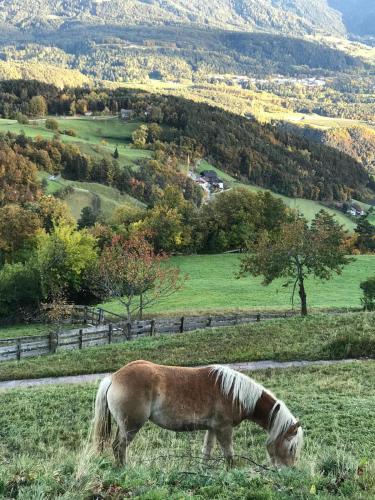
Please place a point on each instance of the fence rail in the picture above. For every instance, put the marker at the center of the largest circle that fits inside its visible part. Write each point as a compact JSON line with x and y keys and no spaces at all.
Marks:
{"x":110,"y":333}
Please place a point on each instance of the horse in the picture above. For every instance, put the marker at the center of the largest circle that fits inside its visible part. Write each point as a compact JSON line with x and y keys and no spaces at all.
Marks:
{"x":213,"y":398}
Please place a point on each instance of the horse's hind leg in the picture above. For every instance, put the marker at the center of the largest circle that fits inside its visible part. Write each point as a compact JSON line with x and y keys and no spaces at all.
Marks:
{"x":209,"y":443}
{"x":124,"y":436}
{"x":225,"y":438}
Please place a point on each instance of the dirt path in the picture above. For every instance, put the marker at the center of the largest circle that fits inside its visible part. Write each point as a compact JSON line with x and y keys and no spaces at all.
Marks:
{"x":244,"y":366}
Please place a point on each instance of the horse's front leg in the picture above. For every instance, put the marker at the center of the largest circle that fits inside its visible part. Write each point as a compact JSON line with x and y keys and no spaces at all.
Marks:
{"x":209,"y":443}
{"x":225,"y":438}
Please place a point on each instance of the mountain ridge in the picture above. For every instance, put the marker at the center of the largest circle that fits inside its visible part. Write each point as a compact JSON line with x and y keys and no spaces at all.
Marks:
{"x":284,"y":16}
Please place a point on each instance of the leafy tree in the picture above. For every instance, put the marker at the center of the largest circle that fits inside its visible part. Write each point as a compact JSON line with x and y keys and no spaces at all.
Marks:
{"x":18,"y":178}
{"x":231,"y":220}
{"x":17,"y":226}
{"x":38,"y":106}
{"x":20,"y":290}
{"x":296,"y":251}
{"x":366,"y":235}
{"x":88,"y":217}
{"x":139,"y":136}
{"x":368,"y":300}
{"x":130,"y":269}
{"x":64,"y":258}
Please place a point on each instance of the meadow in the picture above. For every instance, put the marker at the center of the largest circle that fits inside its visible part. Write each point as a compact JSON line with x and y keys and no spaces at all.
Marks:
{"x":316,"y":337}
{"x":212,"y":286}
{"x":44,"y":451}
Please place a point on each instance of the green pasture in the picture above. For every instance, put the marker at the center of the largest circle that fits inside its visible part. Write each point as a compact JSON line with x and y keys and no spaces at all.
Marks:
{"x":95,"y":136}
{"x":90,"y":194}
{"x":316,"y":337}
{"x":45,"y":453}
{"x":212,"y":285}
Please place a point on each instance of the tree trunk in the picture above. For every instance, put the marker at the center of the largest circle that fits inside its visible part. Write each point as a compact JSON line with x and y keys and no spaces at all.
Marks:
{"x":303,"y":297}
{"x":141,"y":306}
{"x":128,"y":313}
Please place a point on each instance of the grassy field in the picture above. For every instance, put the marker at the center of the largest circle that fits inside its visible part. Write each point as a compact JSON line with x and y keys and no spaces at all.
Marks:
{"x":316,"y":337}
{"x":97,"y":137}
{"x":88,"y":193}
{"x":43,"y":452}
{"x":212,"y":286}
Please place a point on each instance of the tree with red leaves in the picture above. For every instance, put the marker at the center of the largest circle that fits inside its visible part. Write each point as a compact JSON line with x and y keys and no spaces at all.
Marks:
{"x":132,"y":272}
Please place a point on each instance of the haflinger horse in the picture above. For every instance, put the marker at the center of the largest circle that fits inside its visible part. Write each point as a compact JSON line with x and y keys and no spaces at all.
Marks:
{"x":213,"y":398}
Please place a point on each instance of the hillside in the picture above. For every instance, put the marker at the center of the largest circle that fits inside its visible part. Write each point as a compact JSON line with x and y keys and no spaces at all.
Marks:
{"x":358,"y":15}
{"x":61,"y":77}
{"x":298,"y":16}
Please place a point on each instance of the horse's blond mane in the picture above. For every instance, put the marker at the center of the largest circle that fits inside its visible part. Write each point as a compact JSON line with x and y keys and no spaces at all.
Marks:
{"x":246,"y":391}
{"x":243,"y":389}
{"x":282,"y":421}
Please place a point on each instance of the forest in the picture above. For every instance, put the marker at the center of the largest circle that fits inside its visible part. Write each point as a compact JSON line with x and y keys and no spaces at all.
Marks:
{"x":261,"y":154}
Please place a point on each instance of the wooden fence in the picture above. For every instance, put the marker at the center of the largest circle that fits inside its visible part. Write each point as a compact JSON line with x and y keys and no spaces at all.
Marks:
{"x":101,"y":334}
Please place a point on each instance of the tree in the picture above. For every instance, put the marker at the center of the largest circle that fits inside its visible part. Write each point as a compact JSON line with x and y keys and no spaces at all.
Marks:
{"x":17,"y":226}
{"x":116,"y":154}
{"x":38,"y":106}
{"x":130,"y":269}
{"x":88,"y":217}
{"x":366,"y":235}
{"x":297,"y":251}
{"x":368,"y":300}
{"x":20,"y":291}
{"x":64,"y":258}
{"x":18,"y":178}
{"x":139,"y":136}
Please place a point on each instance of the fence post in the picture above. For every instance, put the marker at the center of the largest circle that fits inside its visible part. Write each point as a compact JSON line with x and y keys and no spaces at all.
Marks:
{"x":258,"y":318}
{"x":53,"y":341}
{"x":128,"y":331}
{"x":85,"y":315}
{"x":110,"y":330}
{"x":80,"y":339}
{"x":182,"y":324}
{"x":152,"y":330}
{"x":209,"y":322}
{"x":18,"y":349}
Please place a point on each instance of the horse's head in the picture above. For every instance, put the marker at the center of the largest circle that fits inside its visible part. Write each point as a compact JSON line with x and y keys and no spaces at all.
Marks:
{"x":284,"y":451}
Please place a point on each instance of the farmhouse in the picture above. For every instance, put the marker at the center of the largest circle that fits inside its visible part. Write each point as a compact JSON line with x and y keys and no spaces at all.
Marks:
{"x":126,"y":114}
{"x":211,"y":178}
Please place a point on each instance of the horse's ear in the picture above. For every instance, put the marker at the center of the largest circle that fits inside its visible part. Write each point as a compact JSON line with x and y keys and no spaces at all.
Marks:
{"x":275,"y":411}
{"x":292,"y":431}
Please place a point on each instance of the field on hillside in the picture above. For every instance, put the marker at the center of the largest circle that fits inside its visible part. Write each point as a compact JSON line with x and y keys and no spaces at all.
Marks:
{"x":90,"y":194}
{"x":99,"y":137}
{"x":212,"y":285}
{"x":95,"y":136}
{"x":43,"y":434}
{"x":308,"y":208}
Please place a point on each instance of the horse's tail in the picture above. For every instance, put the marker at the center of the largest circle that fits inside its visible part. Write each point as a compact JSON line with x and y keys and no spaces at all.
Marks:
{"x":102,"y":417}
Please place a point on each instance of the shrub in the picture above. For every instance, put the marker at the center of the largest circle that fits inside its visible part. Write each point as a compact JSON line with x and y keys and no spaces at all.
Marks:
{"x":70,"y":132}
{"x":19,"y":290}
{"x":23,"y":119}
{"x":52,"y":124}
{"x":368,"y":299}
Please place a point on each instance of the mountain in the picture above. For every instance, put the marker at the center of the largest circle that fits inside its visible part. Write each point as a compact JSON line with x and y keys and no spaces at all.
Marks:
{"x":358,"y":15}
{"x":299,"y":17}
{"x":282,"y":16}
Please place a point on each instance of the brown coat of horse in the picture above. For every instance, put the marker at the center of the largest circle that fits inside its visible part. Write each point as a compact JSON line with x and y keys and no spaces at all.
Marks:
{"x":213,"y":398}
